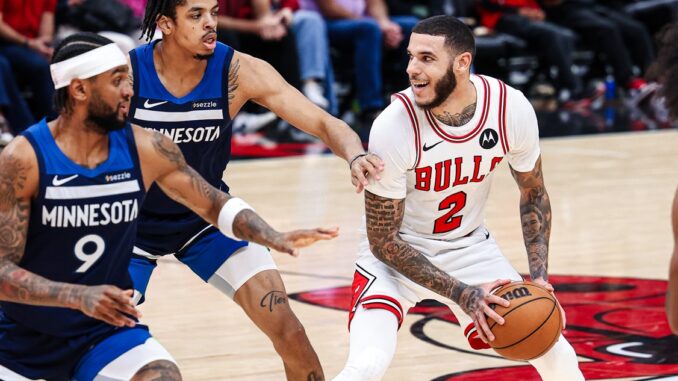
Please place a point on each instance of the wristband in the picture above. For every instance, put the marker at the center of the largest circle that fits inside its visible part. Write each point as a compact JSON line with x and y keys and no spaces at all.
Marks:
{"x":228,"y":213}
{"x":350,"y":164}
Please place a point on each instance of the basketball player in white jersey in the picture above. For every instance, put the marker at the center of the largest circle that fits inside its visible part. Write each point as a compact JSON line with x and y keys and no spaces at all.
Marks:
{"x":441,"y":140}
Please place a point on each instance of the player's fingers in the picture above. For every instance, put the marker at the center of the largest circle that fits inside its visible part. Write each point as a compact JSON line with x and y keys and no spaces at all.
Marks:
{"x":334,"y":231}
{"x":548,"y":286}
{"x":492,"y":314}
{"x":375,"y":161}
{"x":359,"y":187}
{"x":562,"y":314}
{"x":367,"y":167}
{"x":489,"y":298}
{"x":120,"y":296}
{"x":484,"y":326}
{"x":359,"y":175}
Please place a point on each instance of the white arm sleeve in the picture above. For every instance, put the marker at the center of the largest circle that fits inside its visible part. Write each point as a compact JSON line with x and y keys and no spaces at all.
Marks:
{"x":392,"y":139}
{"x":523,"y":132}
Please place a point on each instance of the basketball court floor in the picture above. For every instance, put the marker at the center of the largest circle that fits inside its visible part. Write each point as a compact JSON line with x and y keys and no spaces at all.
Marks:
{"x":610,"y":247}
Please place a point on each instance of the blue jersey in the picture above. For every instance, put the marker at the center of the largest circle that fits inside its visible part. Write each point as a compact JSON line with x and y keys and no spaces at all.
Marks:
{"x":199,"y":123}
{"x":81,"y":228}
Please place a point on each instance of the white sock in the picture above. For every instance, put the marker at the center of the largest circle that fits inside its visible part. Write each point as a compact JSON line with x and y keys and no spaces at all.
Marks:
{"x":559,"y":363}
{"x":373,"y":341}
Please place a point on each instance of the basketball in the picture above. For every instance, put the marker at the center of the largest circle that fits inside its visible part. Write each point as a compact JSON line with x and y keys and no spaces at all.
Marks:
{"x":532,"y":323}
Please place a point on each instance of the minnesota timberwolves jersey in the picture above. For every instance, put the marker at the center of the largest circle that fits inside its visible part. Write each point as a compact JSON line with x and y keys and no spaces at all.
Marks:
{"x":81,"y":227}
{"x":199,"y":123}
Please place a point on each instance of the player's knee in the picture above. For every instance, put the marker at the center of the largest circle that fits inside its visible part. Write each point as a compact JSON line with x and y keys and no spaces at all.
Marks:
{"x":290,"y":333}
{"x":161,"y":370}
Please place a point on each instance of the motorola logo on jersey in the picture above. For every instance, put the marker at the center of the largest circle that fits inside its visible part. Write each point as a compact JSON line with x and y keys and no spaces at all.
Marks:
{"x":191,"y":134}
{"x":209,"y":104}
{"x":616,"y":325}
{"x":489,"y":138}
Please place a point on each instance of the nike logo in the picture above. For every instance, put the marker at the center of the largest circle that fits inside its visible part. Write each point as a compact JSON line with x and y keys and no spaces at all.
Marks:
{"x":429,"y":147}
{"x":487,"y":235}
{"x":57,"y":182}
{"x":147,"y":104}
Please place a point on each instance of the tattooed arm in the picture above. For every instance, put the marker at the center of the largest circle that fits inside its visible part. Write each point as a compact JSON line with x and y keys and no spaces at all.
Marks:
{"x":535,"y":216}
{"x":250,"y":78}
{"x":18,"y":185}
{"x":384,"y":217}
{"x":163,"y":162}
{"x":672,"y":291}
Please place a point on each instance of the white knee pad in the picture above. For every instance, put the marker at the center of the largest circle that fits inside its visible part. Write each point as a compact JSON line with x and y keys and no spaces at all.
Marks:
{"x":559,"y":363}
{"x":372,"y":345}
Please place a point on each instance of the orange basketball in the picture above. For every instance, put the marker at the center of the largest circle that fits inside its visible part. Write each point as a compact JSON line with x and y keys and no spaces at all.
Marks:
{"x":532,"y":323}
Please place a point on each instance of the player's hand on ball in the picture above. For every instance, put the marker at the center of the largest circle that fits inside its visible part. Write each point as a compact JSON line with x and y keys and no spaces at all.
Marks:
{"x":290,"y":242}
{"x":364,"y":168}
{"x":108,"y":303}
{"x":476,"y":301}
{"x":549,"y":287}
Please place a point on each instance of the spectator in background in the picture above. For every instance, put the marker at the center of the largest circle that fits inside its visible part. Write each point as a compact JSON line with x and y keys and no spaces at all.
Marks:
{"x":15,"y":115}
{"x":26,"y":35}
{"x":360,"y":28}
{"x":555,"y":44}
{"x":622,"y":39}
{"x":113,"y":19}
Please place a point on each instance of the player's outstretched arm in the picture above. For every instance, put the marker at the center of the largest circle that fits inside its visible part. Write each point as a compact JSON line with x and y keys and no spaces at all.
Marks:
{"x":163,"y":162}
{"x":18,"y":184}
{"x":254,"y":79}
{"x":672,"y":291}
{"x":384,"y":217}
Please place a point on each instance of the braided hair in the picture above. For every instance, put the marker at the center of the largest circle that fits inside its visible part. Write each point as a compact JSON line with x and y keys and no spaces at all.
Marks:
{"x":155,"y":9}
{"x":74,"y":45}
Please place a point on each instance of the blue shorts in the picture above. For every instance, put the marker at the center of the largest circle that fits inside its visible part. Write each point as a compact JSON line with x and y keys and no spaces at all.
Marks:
{"x":35,"y":355}
{"x":204,"y":255}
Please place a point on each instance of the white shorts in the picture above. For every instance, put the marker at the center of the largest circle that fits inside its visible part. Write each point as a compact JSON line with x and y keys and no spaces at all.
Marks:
{"x":241,"y":267}
{"x":474,"y":260}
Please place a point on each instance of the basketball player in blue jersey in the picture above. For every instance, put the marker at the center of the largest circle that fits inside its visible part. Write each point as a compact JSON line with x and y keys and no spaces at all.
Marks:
{"x":189,"y":87}
{"x":70,"y":194}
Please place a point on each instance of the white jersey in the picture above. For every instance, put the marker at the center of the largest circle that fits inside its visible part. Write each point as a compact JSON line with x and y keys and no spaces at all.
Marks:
{"x":445,"y":172}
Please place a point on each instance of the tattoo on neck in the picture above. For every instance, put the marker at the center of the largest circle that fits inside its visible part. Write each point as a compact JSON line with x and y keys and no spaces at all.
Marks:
{"x":459,"y":119}
{"x":233,"y":80}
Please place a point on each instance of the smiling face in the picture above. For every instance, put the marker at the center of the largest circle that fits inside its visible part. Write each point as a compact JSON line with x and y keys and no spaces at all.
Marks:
{"x":431,"y":69}
{"x":194,"y":27}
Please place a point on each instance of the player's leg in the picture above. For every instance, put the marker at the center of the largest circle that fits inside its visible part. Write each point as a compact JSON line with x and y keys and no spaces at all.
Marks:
{"x":246,"y":273}
{"x":128,"y":354}
{"x":378,"y":306}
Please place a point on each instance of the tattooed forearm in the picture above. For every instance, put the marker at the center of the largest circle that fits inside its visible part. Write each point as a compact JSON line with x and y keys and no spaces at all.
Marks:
{"x":248,"y":226}
{"x":457,"y":119}
{"x":161,"y":370}
{"x":233,"y":79}
{"x":535,"y":216}
{"x":384,"y":217}
{"x":17,"y":284}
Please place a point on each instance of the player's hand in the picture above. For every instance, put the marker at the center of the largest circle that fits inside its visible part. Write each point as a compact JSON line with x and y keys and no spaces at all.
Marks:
{"x":365,"y":168}
{"x":290,"y":242}
{"x":549,"y":287}
{"x":476,"y":301}
{"x":108,"y":303}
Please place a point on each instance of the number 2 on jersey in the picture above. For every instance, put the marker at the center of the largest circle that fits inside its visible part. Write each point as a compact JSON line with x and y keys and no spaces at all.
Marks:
{"x":94,"y":256}
{"x":449,"y":221}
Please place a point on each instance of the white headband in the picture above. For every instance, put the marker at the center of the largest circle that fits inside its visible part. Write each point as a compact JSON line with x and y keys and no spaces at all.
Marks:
{"x":87,"y":65}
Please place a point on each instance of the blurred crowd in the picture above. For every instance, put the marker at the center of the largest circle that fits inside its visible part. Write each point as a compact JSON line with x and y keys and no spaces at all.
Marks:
{"x":347,"y":56}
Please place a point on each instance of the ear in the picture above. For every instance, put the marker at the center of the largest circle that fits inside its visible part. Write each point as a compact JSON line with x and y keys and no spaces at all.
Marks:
{"x":79,"y":90}
{"x":165,"y":24}
{"x":463,"y":62}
